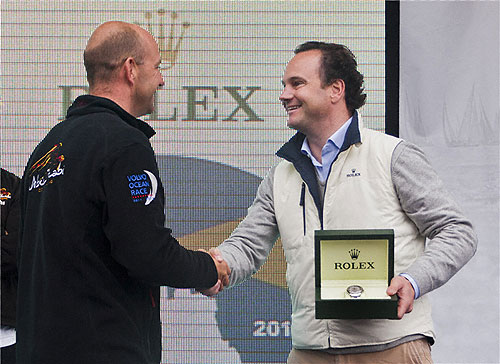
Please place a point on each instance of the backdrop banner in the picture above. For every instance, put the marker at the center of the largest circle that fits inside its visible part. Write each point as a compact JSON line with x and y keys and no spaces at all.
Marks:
{"x":218,"y":122}
{"x":449,"y":105}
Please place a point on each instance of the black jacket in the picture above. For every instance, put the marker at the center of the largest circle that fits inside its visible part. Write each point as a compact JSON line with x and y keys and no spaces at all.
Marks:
{"x":93,"y":248}
{"x":9,"y":199}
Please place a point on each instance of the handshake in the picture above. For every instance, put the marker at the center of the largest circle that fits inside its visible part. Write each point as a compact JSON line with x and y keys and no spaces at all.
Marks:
{"x":223,"y":272}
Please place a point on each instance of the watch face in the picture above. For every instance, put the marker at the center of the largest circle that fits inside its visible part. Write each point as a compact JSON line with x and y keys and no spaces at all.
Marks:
{"x":355,"y":291}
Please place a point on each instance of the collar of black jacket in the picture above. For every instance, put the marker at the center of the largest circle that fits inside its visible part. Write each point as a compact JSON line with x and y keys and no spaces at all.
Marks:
{"x":88,"y":104}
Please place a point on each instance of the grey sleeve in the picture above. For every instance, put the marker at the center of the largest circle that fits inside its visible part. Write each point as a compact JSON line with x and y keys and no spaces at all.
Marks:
{"x":247,"y":248}
{"x":451,"y":241}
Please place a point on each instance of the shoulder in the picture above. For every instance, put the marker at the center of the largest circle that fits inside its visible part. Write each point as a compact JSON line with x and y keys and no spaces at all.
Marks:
{"x":10,"y":182}
{"x":377,"y":143}
{"x":374,"y":135}
{"x":407,"y":153}
{"x":110,"y":129}
{"x":9,"y":177}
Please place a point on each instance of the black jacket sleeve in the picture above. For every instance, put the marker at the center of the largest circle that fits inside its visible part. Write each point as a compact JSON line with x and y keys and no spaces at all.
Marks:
{"x":134,"y":224}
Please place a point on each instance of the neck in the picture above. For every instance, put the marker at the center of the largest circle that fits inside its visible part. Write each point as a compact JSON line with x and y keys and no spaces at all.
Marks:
{"x":317,"y":140}
{"x":119,"y":98}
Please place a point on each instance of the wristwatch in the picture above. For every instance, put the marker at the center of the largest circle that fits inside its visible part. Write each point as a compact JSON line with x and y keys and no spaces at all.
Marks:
{"x":355,"y":291}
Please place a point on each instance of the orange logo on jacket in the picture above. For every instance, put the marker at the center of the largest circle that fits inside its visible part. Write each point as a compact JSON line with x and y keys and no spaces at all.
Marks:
{"x":47,"y":168}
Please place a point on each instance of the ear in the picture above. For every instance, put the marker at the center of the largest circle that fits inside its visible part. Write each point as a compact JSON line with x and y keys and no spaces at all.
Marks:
{"x":337,"y":91}
{"x":129,"y":70}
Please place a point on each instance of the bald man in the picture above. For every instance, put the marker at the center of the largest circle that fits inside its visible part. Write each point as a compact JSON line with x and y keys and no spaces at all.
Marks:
{"x":93,"y":248}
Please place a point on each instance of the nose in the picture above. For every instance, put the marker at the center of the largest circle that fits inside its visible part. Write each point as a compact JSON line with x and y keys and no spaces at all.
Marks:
{"x":286,"y":95}
{"x":162,"y":82}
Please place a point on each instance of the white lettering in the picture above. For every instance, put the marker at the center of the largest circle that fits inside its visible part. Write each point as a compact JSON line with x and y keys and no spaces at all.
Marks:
{"x":37,"y":182}
{"x":271,"y":328}
{"x":55,"y":172}
{"x":139,"y":191}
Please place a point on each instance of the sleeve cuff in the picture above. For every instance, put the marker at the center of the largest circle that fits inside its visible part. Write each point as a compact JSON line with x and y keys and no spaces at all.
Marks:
{"x":413,"y":283}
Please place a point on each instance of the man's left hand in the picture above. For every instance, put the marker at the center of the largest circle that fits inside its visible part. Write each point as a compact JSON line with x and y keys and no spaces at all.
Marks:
{"x":405,"y":292}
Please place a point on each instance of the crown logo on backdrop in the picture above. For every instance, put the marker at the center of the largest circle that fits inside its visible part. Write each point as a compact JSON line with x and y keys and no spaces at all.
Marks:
{"x":354,"y":253}
{"x":169,"y":44}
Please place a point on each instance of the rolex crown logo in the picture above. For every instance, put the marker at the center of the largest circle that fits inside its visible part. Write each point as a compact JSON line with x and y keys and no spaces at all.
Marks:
{"x":354,"y":253}
{"x":169,"y":44}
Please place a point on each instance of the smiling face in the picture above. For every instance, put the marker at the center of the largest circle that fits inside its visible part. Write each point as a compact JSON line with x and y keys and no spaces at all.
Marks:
{"x":307,"y":103}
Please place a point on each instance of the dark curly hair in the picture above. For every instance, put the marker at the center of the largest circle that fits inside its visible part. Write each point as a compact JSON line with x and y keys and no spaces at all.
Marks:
{"x":338,"y":62}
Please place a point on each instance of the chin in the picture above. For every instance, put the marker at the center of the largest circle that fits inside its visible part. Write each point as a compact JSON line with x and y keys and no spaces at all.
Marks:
{"x":291,"y":124}
{"x":149,"y":110}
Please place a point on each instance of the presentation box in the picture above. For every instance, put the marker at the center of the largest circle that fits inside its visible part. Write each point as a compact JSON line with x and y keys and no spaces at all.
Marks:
{"x":353,"y":269}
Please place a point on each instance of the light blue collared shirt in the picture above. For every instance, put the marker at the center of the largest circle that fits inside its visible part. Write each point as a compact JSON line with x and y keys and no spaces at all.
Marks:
{"x":413,"y":283}
{"x":328,"y":153}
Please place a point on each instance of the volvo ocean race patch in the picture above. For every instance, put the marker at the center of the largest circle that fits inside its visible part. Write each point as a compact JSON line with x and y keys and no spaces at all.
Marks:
{"x":143,"y":187}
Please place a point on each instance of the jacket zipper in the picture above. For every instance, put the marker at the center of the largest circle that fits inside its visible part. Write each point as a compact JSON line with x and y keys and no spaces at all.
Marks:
{"x":303,"y":204}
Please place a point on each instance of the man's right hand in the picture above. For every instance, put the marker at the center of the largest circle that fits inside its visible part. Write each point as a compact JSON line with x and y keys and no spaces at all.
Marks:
{"x":222,"y":267}
{"x":223,"y":272}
